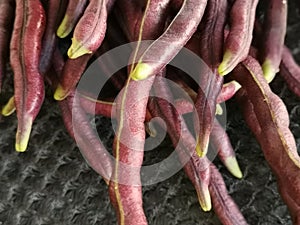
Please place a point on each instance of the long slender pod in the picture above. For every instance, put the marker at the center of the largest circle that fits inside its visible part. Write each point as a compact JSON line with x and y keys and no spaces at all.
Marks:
{"x":290,"y":71}
{"x":125,"y":186}
{"x":80,"y":129}
{"x":131,"y":109}
{"x":25,"y":51}
{"x":6,"y":21}
{"x":210,"y":83}
{"x":211,"y":32}
{"x":73,"y":13}
{"x":165,"y":48}
{"x":238,"y":41}
{"x":205,"y":104}
{"x":196,"y":168}
{"x":54,"y":12}
{"x":272,"y":132}
{"x":226,"y":153}
{"x":224,"y":206}
{"x":274,"y":30}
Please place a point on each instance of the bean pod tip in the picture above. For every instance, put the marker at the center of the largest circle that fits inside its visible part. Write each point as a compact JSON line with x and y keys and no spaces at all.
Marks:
{"x":77,"y":49}
{"x":233,"y":167}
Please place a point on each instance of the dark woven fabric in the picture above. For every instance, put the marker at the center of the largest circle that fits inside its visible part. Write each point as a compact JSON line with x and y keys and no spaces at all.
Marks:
{"x":52,"y":184}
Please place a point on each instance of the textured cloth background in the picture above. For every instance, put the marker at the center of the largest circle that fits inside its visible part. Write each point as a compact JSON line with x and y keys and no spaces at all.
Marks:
{"x":52,"y":184}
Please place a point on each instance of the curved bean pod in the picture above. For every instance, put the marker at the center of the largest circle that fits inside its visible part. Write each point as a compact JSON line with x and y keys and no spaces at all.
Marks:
{"x":274,"y":29}
{"x":54,"y":13}
{"x":225,"y":151}
{"x":90,"y":29}
{"x":224,"y":206}
{"x":272,"y":132}
{"x":128,"y":149}
{"x":197,"y":169}
{"x":74,"y":68}
{"x":290,"y":71}
{"x":24,"y":58}
{"x":88,"y":142}
{"x":160,"y":52}
{"x":238,"y":41}
{"x":74,"y":11}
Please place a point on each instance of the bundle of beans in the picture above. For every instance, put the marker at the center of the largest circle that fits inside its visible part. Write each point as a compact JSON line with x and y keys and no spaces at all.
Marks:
{"x":243,"y":52}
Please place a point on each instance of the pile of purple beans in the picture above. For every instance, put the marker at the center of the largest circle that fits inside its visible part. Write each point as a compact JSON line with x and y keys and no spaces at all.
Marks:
{"x":242,"y":49}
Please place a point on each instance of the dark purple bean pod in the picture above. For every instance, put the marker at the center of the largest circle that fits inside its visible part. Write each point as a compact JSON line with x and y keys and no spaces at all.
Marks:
{"x":211,"y":32}
{"x":131,"y":109}
{"x":210,"y":50}
{"x":25,"y":48}
{"x":290,"y":71}
{"x":73,"y":13}
{"x":197,"y":169}
{"x":90,"y":29}
{"x":273,"y":35}
{"x":271,"y":129}
{"x":54,"y":12}
{"x":238,"y":41}
{"x":79,"y":128}
{"x":205,"y":105}
{"x":166,"y":47}
{"x":58,"y":62}
{"x":124,"y":187}
{"x":224,"y":206}
{"x":71,"y":74}
{"x":75,"y":67}
{"x":224,"y":148}
{"x":131,"y":14}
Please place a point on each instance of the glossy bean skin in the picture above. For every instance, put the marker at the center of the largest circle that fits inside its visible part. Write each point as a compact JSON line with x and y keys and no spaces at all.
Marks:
{"x":25,"y":51}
